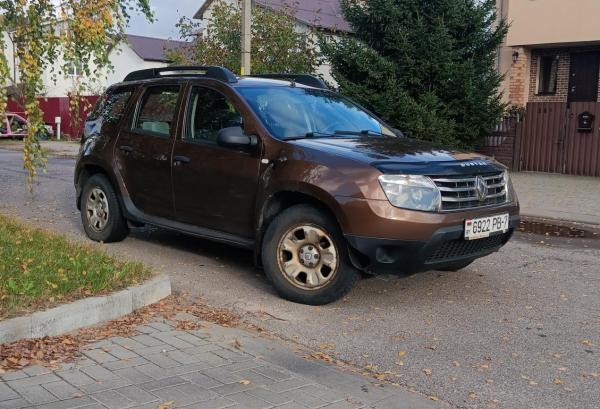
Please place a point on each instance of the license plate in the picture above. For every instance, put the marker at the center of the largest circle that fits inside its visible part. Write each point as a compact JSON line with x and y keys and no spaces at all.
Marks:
{"x":485,"y":226}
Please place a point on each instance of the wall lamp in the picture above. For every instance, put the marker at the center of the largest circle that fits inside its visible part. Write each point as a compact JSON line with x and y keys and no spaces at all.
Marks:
{"x":515,"y":56}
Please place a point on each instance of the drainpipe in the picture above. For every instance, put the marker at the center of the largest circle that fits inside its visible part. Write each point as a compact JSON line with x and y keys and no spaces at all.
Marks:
{"x":499,"y":18}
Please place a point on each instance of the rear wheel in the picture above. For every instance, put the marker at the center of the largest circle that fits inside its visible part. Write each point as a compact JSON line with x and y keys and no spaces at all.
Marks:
{"x":101,"y":212}
{"x":306,"y":257}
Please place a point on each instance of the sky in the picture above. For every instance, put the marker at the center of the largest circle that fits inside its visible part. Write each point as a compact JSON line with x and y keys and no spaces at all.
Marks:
{"x":166,"y":13}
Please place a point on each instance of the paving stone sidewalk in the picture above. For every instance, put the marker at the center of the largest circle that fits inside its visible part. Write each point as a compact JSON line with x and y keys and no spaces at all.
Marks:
{"x":209,"y":368}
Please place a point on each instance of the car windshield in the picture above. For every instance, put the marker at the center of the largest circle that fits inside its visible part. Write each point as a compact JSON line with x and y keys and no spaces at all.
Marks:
{"x":296,"y":112}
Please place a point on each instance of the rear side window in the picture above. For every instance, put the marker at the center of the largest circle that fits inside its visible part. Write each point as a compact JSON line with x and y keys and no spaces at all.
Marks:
{"x":111,"y":106}
{"x":156,"y":113}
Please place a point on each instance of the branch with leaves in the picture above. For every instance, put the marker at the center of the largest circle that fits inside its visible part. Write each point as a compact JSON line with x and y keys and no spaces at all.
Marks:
{"x":78,"y":32}
{"x":277,"y":45}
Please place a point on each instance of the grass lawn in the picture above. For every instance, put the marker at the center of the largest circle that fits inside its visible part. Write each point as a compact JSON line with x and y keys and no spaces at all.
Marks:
{"x":39,"y":269}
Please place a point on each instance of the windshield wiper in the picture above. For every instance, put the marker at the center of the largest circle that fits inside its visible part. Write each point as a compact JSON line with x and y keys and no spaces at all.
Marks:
{"x":364,"y":132}
{"x":317,"y":134}
{"x":310,"y":135}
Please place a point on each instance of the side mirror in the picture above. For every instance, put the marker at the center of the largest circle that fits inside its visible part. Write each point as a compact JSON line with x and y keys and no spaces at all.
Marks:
{"x":234,"y":136}
{"x":399,"y":133}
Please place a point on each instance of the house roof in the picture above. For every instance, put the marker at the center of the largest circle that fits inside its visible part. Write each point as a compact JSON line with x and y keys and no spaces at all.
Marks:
{"x":152,"y":49}
{"x":323,"y":14}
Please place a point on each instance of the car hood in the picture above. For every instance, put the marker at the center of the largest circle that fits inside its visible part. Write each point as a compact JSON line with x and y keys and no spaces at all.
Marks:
{"x":404,"y":155}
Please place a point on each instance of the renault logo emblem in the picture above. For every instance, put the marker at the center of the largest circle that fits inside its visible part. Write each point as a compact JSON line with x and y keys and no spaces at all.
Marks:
{"x":480,"y":188}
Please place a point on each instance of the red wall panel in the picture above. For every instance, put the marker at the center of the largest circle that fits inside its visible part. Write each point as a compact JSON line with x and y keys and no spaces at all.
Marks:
{"x":57,"y":106}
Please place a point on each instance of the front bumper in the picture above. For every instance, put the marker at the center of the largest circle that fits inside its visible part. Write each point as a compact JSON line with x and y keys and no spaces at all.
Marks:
{"x":445,"y":248}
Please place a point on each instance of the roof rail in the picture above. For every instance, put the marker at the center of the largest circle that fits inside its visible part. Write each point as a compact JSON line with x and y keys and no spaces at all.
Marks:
{"x":305,"y":79}
{"x":214,"y":72}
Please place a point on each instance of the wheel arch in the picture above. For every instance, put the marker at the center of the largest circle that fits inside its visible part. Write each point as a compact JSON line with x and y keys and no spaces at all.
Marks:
{"x":284,"y":199}
{"x":86,"y":172}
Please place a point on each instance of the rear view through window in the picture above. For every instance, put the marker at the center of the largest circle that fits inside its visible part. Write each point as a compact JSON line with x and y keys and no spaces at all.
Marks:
{"x":157,"y":110}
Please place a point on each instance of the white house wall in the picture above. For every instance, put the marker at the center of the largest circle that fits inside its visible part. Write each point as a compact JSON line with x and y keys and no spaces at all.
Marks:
{"x":126,"y":61}
{"x":123,"y":59}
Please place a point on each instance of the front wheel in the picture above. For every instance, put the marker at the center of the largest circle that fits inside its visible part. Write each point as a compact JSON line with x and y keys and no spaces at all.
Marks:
{"x":101,"y":212}
{"x":305,"y":256}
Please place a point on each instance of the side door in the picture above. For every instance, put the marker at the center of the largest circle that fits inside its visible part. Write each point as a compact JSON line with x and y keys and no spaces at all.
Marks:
{"x":214,"y":186}
{"x":143,"y":150}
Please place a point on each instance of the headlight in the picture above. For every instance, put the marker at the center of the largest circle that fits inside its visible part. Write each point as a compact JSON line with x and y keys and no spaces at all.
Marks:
{"x":511,"y":195}
{"x":414,"y":192}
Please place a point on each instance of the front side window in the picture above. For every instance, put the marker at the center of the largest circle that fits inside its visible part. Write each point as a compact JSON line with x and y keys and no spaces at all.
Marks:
{"x":17,"y":125}
{"x":156,"y":114}
{"x":291,"y":112}
{"x":548,"y":74}
{"x":209,"y":111}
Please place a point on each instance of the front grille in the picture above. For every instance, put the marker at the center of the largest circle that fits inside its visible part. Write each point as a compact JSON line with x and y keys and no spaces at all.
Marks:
{"x":460,"y":192}
{"x":463,"y":248}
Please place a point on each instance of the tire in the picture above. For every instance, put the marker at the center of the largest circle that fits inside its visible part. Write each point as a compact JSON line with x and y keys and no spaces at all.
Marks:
{"x":457,"y":266}
{"x":99,"y":224}
{"x":327,"y":275}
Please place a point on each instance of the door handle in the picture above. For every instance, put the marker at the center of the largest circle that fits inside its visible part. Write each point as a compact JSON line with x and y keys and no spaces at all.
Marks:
{"x":126,"y":148}
{"x":180,"y":160}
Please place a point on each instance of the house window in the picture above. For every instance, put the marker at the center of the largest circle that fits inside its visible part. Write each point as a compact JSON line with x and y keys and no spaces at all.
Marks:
{"x":547,"y":74}
{"x":75,"y":69}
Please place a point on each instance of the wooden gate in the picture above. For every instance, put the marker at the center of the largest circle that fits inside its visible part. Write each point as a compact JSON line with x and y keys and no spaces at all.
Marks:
{"x":550,"y":140}
{"x":582,"y":148}
{"x":541,"y":137}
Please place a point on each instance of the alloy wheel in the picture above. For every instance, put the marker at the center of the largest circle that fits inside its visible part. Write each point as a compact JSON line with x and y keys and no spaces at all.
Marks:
{"x":97,"y":209}
{"x":307,"y":257}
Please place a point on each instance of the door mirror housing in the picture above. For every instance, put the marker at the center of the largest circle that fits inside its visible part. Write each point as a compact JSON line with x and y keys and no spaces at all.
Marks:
{"x":234,"y":136}
{"x":399,"y":133}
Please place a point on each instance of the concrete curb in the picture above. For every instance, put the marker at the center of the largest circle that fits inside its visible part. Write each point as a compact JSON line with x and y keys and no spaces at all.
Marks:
{"x":85,"y":312}
{"x":559,"y":227}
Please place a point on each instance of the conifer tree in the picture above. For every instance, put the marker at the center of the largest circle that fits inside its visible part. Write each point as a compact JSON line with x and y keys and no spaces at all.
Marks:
{"x":426,"y":66}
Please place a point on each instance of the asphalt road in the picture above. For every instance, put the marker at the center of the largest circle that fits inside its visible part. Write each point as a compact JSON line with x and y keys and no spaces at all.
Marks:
{"x":518,"y":329}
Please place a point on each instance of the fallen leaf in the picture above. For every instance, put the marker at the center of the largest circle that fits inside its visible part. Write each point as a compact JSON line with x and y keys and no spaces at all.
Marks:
{"x":245,"y":382}
{"x":472,"y":395}
{"x":557,"y":381}
{"x":427,"y":371}
{"x":165,"y":405}
{"x":434,"y":398}
{"x":327,"y":345}
{"x":401,"y":353}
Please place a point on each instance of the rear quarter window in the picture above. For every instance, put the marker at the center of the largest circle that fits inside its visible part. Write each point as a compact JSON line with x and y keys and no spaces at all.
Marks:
{"x":111,"y":106}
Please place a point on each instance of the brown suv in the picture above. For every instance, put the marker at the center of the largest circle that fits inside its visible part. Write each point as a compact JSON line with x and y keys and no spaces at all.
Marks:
{"x":318,"y":187}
